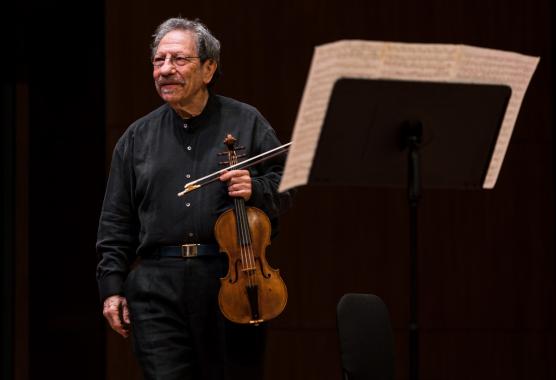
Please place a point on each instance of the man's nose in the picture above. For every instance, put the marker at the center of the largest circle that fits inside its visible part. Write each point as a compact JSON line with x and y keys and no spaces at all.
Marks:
{"x":167,"y":67}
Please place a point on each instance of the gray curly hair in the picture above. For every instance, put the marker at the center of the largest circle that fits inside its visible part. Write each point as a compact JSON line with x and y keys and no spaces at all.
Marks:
{"x":208,"y":47}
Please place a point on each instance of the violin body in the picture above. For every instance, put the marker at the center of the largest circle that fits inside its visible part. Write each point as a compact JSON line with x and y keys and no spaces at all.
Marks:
{"x":252,"y":291}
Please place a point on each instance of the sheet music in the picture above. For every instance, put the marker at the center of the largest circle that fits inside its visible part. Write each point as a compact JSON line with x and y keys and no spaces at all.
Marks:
{"x":402,"y":61}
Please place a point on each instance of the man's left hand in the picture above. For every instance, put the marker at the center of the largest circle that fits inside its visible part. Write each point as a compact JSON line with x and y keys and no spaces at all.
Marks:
{"x":239,"y":183}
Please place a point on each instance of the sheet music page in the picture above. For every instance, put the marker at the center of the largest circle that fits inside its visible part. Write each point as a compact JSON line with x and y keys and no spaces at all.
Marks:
{"x":401,"y":61}
{"x":480,"y":65}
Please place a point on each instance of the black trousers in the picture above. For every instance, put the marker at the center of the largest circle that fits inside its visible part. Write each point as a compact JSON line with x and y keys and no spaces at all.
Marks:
{"x":177,"y":329}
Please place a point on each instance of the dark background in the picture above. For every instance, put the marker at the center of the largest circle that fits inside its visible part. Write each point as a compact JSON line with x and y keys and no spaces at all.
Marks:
{"x":75,"y":76}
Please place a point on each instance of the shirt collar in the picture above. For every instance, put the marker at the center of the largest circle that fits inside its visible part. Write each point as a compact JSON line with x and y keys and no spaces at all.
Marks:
{"x":193,"y":123}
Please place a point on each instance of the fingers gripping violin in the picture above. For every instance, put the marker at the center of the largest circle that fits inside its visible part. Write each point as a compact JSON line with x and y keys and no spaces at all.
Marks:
{"x":252,"y":292}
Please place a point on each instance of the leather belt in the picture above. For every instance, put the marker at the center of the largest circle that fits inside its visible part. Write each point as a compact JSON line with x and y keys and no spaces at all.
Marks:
{"x":187,"y":250}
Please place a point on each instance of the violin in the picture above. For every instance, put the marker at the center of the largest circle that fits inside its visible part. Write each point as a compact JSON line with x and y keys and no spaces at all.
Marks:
{"x":252,"y":292}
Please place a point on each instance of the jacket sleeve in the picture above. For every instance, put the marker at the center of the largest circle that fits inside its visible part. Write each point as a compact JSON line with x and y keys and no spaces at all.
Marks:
{"x":118,"y":229}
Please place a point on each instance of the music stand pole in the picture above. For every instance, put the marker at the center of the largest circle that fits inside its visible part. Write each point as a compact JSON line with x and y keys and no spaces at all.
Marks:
{"x":412,"y":133}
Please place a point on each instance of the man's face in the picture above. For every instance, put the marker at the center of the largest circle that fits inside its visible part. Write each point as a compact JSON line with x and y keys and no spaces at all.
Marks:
{"x":180,"y":85}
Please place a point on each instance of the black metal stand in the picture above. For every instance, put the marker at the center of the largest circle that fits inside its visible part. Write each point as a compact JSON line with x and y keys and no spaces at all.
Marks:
{"x":412,"y":133}
{"x":364,"y":118}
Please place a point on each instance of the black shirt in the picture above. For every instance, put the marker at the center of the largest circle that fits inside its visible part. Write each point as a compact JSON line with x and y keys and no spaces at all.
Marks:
{"x":152,"y":161}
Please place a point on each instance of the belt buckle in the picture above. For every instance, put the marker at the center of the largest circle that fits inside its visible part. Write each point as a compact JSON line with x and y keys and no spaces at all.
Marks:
{"x":189,"y":250}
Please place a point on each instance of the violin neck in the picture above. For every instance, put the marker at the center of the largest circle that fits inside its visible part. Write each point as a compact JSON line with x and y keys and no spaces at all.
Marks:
{"x":242,"y":222}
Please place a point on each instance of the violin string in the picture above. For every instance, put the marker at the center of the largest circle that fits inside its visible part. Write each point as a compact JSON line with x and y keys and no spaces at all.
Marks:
{"x":232,"y":159}
{"x":249,"y":246}
{"x":251,"y":256}
{"x":243,"y":239}
{"x":245,"y":245}
{"x":243,"y":228}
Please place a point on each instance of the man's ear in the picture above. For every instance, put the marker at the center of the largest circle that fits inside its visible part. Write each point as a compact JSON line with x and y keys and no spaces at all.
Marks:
{"x":209,"y":68}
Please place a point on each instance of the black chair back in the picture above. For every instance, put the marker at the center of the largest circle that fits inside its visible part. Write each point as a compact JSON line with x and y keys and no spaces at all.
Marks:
{"x":366,"y":340}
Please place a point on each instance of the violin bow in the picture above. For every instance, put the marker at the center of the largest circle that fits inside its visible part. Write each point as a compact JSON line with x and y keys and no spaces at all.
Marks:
{"x":198,"y":183}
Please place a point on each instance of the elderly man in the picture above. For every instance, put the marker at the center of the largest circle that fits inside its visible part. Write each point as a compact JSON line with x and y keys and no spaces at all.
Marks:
{"x":168,"y":303}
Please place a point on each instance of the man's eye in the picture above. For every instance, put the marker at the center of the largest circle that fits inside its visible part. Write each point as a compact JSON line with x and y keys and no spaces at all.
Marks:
{"x":180,"y":60}
{"x":158,"y":61}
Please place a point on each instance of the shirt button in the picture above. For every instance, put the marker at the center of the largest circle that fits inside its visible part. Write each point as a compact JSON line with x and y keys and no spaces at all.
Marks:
{"x":188,"y":176}
{"x":187,"y":204}
{"x":185,"y":125}
{"x":188,"y":147}
{"x":190,"y":234}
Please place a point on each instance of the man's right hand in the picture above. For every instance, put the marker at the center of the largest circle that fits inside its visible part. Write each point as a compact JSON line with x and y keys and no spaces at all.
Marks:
{"x":116,"y":312}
